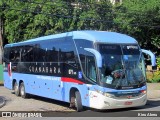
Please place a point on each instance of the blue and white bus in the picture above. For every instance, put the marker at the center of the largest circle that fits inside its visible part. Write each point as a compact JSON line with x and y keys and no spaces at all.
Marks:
{"x":97,"y":69}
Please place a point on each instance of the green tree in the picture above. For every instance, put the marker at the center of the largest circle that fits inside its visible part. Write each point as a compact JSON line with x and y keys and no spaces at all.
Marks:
{"x":1,"y":30}
{"x":140,"y":19}
{"x":27,"y":19}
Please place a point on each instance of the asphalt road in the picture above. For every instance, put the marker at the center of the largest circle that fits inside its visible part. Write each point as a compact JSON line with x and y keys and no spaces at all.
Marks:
{"x":50,"y":108}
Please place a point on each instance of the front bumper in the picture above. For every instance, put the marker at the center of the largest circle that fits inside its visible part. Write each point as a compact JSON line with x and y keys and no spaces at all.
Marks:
{"x":99,"y":101}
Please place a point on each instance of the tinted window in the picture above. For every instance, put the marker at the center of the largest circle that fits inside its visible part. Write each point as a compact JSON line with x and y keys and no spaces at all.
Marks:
{"x":55,"y":50}
{"x":27,"y":53}
{"x":67,"y":50}
{"x":91,"y":68}
{"x":130,"y":50}
{"x":14,"y":55}
{"x":6,"y":55}
{"x":110,"y":49}
{"x":81,"y":44}
{"x":47,"y":51}
{"x":87,"y":59}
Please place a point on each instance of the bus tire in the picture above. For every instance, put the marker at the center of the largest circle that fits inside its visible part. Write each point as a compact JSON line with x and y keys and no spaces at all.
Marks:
{"x":16,"y":89}
{"x":22,"y":91}
{"x":78,"y":102}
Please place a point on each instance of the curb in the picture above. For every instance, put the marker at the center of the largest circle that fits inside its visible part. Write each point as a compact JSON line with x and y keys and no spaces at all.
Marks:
{"x":153,"y":86}
{"x":153,"y":90}
{"x":153,"y":94}
{"x":1,"y":83}
{"x":2,"y":101}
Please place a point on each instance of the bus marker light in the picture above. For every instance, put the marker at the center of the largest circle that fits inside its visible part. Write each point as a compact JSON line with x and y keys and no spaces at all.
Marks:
{"x":143,"y":91}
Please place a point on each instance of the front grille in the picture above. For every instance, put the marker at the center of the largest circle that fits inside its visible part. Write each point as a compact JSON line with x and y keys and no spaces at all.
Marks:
{"x":128,"y":96}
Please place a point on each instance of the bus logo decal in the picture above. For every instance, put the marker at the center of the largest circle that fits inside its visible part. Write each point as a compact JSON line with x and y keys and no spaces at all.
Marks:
{"x":79,"y":75}
{"x":34,"y":68}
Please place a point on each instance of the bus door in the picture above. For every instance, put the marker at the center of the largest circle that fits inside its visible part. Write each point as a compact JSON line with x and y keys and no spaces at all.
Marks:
{"x":90,"y":73}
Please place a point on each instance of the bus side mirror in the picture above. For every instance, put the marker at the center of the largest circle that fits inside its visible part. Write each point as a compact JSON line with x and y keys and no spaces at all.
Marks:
{"x":97,"y":56}
{"x":153,"y":58}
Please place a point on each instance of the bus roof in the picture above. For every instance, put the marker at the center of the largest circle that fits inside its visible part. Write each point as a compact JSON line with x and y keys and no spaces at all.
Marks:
{"x":95,"y":36}
{"x":103,"y":36}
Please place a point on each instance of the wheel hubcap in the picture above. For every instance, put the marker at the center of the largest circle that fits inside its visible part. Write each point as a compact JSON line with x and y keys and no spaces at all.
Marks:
{"x":22,"y":90}
{"x":16,"y":88}
{"x":75,"y":102}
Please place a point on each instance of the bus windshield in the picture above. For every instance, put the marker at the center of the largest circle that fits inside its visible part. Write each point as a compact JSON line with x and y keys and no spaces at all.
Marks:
{"x":122,"y":66}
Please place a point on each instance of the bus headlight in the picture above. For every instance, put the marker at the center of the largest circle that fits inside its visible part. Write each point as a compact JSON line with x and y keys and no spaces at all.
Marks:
{"x":106,"y":94}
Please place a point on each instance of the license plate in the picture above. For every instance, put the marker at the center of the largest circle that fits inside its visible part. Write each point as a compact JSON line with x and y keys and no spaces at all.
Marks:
{"x":128,"y":103}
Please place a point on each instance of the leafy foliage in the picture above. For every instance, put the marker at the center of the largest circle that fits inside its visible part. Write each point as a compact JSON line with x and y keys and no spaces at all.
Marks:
{"x":140,"y":19}
{"x":153,"y":77}
{"x":25,"y":19}
{"x":158,"y":63}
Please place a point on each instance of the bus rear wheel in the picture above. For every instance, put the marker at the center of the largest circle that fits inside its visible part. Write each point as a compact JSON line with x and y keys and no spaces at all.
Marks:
{"x":22,"y":91}
{"x":16,"y":89}
{"x":78,"y":102}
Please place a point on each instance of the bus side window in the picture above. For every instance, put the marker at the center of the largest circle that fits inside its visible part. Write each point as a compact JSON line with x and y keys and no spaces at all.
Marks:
{"x":87,"y":59}
{"x":67,"y":51}
{"x":91,"y":68}
{"x":6,"y":55}
{"x":23,"y":54}
{"x":52,"y":50}
{"x":27,"y":54}
{"x":51,"y":55}
{"x":17,"y":54}
{"x":12,"y":55}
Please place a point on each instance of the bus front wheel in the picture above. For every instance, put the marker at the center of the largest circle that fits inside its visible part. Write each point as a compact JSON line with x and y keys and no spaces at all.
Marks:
{"x":16,"y":89}
{"x":78,"y":102}
{"x":22,"y":91}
